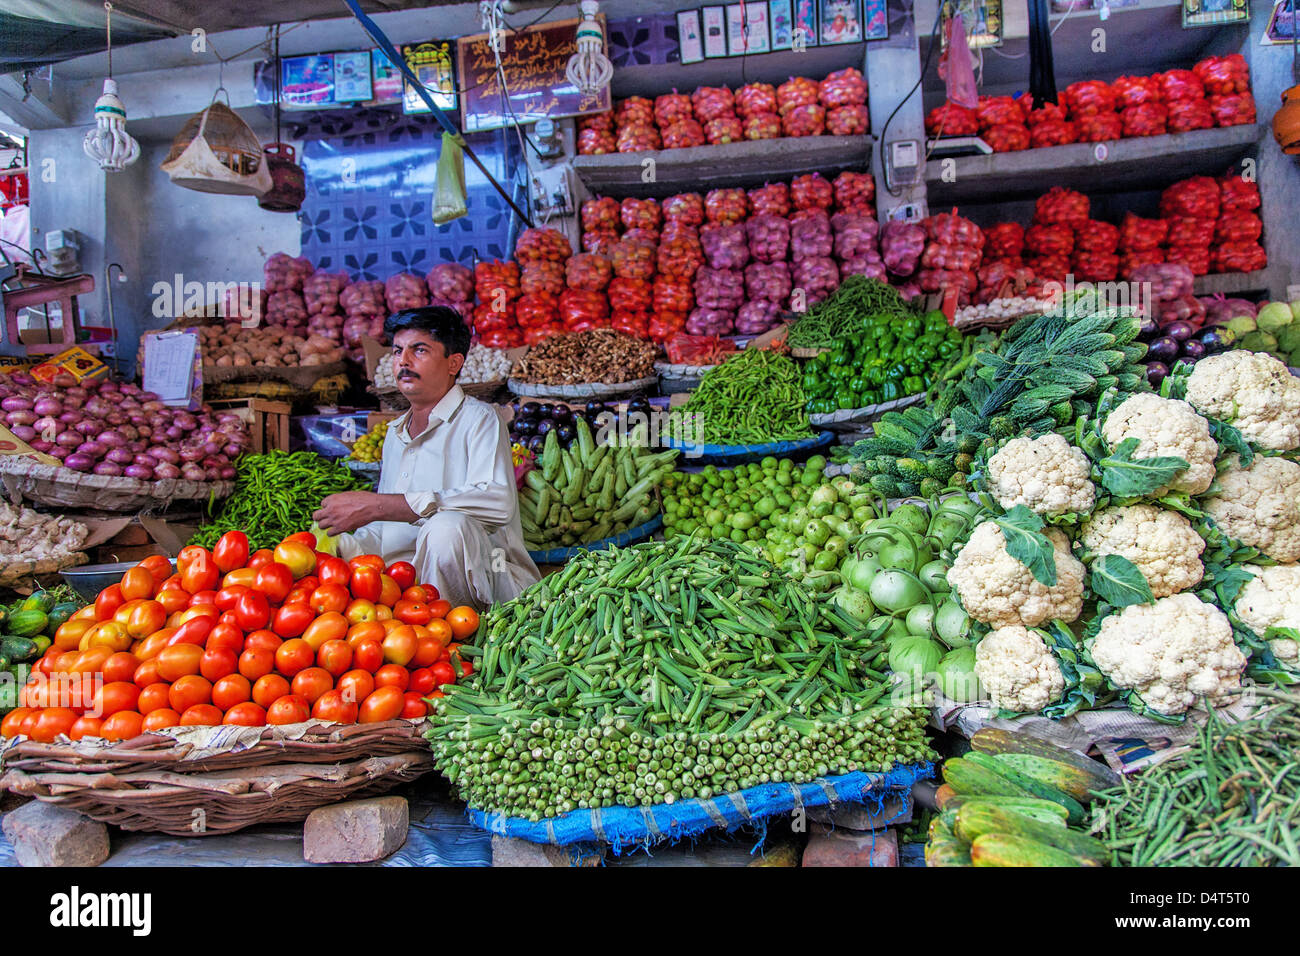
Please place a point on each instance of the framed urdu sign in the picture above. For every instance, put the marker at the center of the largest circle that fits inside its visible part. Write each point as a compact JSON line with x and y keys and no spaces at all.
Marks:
{"x":1213,"y":13}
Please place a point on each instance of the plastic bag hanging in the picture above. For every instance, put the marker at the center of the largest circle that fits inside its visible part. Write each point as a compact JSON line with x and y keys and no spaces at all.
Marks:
{"x":449,"y":201}
{"x":955,"y":66}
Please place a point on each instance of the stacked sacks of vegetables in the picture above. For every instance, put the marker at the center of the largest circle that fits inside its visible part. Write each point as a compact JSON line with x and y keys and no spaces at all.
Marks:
{"x":1227,"y":89}
{"x":1238,"y":228}
{"x":677,"y":260}
{"x":951,"y":255}
{"x":405,"y":291}
{"x":677,"y":124}
{"x":952,"y":119}
{"x":844,"y":96}
{"x":1140,"y":101}
{"x":1093,"y":111}
{"x":498,"y":287}
{"x":596,"y":134}
{"x":634,"y":123}
{"x":1191,"y":208}
{"x":1185,"y":99}
{"x":814,"y":274}
{"x":1002,"y":270}
{"x":715,"y":108}
{"x":1003,"y":124}
{"x":450,"y":283}
{"x":1095,"y":257}
{"x":756,"y":107}
{"x":601,"y":224}
{"x":1141,"y":243}
{"x":321,"y":292}
{"x":798,"y":102}
{"x":1050,"y":240}
{"x":364,"y":310}
{"x":901,"y":245}
{"x":283,"y":278}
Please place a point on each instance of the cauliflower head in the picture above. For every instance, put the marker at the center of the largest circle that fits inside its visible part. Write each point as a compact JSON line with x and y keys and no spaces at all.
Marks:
{"x":1252,"y":391}
{"x":1171,"y":652}
{"x":1272,"y":599}
{"x":1018,"y":670}
{"x":997,"y":589}
{"x":1166,"y":426}
{"x":1048,"y":475}
{"x":1260,"y":506}
{"x":1163,"y":544}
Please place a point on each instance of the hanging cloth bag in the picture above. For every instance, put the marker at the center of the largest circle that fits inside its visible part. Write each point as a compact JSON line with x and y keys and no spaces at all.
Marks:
{"x":449,"y":200}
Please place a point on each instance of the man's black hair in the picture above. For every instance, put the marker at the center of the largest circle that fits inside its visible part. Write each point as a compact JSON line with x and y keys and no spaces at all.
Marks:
{"x":443,"y":324}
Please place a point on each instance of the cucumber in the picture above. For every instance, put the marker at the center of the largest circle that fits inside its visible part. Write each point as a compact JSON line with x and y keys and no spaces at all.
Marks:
{"x":966,"y":778}
{"x":1054,"y":773}
{"x":1048,"y":811}
{"x":42,"y":601}
{"x":976,"y":819}
{"x":1032,"y":787}
{"x":17,"y":648}
{"x":27,"y":622}
{"x":993,"y":741}
{"x":60,"y":614}
{"x":1001,"y":849}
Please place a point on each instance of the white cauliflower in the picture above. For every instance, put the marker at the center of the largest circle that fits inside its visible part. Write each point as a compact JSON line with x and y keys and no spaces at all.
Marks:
{"x":1048,"y":475}
{"x":1260,"y":506}
{"x":1171,"y":652}
{"x":1163,"y":544}
{"x":1165,"y":426}
{"x":1272,"y":599}
{"x":997,"y":589}
{"x":1018,"y":670}
{"x":1253,"y":391}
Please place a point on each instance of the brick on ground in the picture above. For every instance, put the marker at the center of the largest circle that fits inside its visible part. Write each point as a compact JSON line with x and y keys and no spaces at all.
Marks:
{"x":357,"y":831}
{"x":843,"y":847}
{"x":511,"y":851}
{"x":45,"y":834}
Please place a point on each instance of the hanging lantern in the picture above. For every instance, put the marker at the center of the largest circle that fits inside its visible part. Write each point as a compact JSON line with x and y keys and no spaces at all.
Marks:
{"x":589,"y":68}
{"x":109,"y":144}
{"x":217,"y":152}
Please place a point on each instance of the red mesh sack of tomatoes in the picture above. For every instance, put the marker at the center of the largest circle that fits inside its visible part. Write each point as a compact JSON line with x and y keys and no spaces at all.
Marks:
{"x":996,"y":274}
{"x":630,"y":295}
{"x":1052,"y":134}
{"x":753,"y":99}
{"x":1095,"y":266}
{"x":726,"y":206}
{"x":539,"y":333}
{"x":1232,"y":109}
{"x":1049,"y":268}
{"x":1186,"y":115}
{"x":686,"y":208}
{"x":950,"y":257}
{"x":1050,"y":239}
{"x":1045,"y":113}
{"x":845,"y":87}
{"x":1237,"y":193}
{"x":1196,"y":258}
{"x":635,"y":110}
{"x":510,"y":338}
{"x":770,"y":199}
{"x":495,"y":277}
{"x":848,"y":121}
{"x":993,"y":110}
{"x":640,"y":214}
{"x":673,"y":294}
{"x":1136,"y":90}
{"x":542,"y":278}
{"x":713,"y":102}
{"x":724,"y":129}
{"x":1238,"y":226}
{"x":683,"y":135}
{"x":1095,"y":236}
{"x":1190,"y":231}
{"x":1136,"y":233}
{"x":542,"y":245}
{"x":651,"y":236}
{"x":852,"y":189}
{"x":1240,"y":257}
{"x":1146,"y":119}
{"x":664,"y":325}
{"x":1088,"y":98}
{"x":762,"y":126}
{"x":673,"y":108}
{"x":677,"y":257}
{"x":948,"y":227}
{"x":1007,"y":137}
{"x":1197,"y":197}
{"x":952,"y":120}
{"x":796,"y":92}
{"x":1061,"y":205}
{"x":1004,"y":240}
{"x":582,"y":305}
{"x":488,"y":318}
{"x":599,"y":241}
{"x":588,"y":271}
{"x":1223,"y":75}
{"x":631,"y":322}
{"x":806,"y":120}
{"x":1131,"y":263}
{"x":596,"y":142}
{"x":1100,"y":128}
{"x":675,"y":229}
{"x":537,"y":309}
{"x":602,"y":213}
{"x":632,"y":258}
{"x":638,"y":138}
{"x":811,"y":191}
{"x":1179,"y":85}
{"x":598,"y":121}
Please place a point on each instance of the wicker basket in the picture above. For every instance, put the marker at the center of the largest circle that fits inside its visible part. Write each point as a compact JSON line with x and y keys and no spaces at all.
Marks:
{"x":217,"y":152}
{"x":59,"y":487}
{"x":218,"y":780}
{"x":25,"y":572}
{"x":596,"y":390}
{"x":485,"y":391}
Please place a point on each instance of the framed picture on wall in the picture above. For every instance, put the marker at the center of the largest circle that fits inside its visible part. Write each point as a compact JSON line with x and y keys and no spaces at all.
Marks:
{"x":781,"y":23}
{"x":747,"y":28}
{"x":690,"y":42}
{"x":805,"y":23}
{"x":307,"y":82}
{"x":1281,"y":24}
{"x":1213,"y":13}
{"x":875,"y":20}
{"x":841,"y":21}
{"x":386,"y":79}
{"x":714,"y":31}
{"x":431,"y":64}
{"x":352,"y":76}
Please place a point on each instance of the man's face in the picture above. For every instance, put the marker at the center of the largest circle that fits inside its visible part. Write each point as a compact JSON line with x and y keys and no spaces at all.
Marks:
{"x":423,"y":369}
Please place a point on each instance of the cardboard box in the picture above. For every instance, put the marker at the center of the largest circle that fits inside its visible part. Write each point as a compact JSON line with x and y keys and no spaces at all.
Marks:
{"x":76,"y":361}
{"x":11,"y":444}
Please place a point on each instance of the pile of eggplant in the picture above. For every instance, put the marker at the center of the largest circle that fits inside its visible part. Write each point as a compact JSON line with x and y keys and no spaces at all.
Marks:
{"x":1181,"y":340}
{"x":533,"y":420}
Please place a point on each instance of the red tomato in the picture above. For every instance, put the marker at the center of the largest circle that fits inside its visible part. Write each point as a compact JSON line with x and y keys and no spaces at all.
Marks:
{"x":413,"y":706}
{"x":225,"y":637}
{"x":13,"y":720}
{"x":230,"y":551}
{"x":201,"y":715}
{"x":292,"y":619}
{"x":245,"y":714}
{"x":311,"y":682}
{"x":416,"y":593}
{"x":231,"y":690}
{"x":400,"y":645}
{"x":121,"y":666}
{"x":159,"y":719}
{"x":177,"y":660}
{"x":262,"y":640}
{"x":268,"y":689}
{"x":421,"y":681}
{"x":367,"y":561}
{"x":146,"y":673}
{"x":158,"y":566}
{"x":443,"y":673}
{"x":427,"y":652}
{"x":333,"y":705}
{"x":330,"y":626}
{"x":360,"y":612}
{"x":189,"y":691}
{"x":389,"y":592}
{"x":108,"y":601}
{"x":217,"y":663}
{"x":365,"y":584}
{"x":332,"y":570}
{"x":274,"y":580}
{"x":114,"y":697}
{"x":393,"y":675}
{"x":356,"y":685}
{"x":260,"y":557}
{"x":366,"y":631}
{"x":204,"y":599}
{"x":303,"y":537}
{"x":123,"y":725}
{"x":438,"y":608}
{"x":385,"y":703}
{"x":299,"y":557}
{"x":240,"y":577}
{"x":194,"y":631}
{"x":330,"y":597}
{"x":229,"y":596}
{"x":256,"y":663}
{"x":299,"y":595}
{"x":293,"y":655}
{"x":137,"y":584}
{"x":253,"y":610}
{"x":368,"y":655}
{"x":335,"y":657}
{"x":85,"y":727}
{"x":153,"y":697}
{"x":289,"y":709}
{"x":463,"y":621}
{"x":403,"y":572}
{"x":173,"y":599}
{"x":201,"y":574}
{"x":409,"y":612}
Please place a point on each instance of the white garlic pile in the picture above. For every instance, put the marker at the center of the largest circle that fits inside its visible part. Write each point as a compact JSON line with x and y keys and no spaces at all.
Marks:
{"x":27,"y":535}
{"x":485,"y":365}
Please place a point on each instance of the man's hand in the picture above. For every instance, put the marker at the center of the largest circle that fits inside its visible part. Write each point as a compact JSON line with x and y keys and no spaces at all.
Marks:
{"x":345,"y":512}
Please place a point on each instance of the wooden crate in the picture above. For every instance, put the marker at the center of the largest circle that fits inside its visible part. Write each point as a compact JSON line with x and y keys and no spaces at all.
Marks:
{"x":267,"y":421}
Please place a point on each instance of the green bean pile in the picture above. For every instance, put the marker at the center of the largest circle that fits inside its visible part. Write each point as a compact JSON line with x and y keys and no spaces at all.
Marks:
{"x":1233,"y":799}
{"x":838,"y":315}
{"x":660,"y":672}
{"x":275,"y":495}
{"x":752,"y":398}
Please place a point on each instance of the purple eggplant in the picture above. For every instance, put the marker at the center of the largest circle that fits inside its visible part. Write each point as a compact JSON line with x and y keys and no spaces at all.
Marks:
{"x":1217,"y":339}
{"x":1193,"y":350}
{"x":1150,"y":329}
{"x":1180,"y":331}
{"x":1163,"y":349}
{"x":1156,"y":372}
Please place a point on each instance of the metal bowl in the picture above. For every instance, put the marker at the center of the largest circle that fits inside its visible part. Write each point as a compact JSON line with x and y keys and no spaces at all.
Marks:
{"x":89,"y":579}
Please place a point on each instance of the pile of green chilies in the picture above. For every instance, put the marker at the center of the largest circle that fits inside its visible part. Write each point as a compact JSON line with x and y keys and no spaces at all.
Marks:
{"x":752,"y":398}
{"x":275,"y":496}
{"x":836,"y":316}
{"x":660,"y":672}
{"x":1233,"y":799}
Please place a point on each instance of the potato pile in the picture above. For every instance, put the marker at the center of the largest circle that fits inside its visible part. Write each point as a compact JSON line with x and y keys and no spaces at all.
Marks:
{"x":227,"y":346}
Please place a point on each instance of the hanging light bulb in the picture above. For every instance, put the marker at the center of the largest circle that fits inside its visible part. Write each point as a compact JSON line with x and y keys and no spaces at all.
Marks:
{"x":109,"y":144}
{"x":589,"y":68}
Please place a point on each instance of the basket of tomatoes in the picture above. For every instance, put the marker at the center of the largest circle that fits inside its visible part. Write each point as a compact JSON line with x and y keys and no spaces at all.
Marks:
{"x":239,"y":689}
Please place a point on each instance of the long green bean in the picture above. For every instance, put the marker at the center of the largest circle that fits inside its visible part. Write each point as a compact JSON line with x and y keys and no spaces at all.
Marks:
{"x":752,"y":398}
